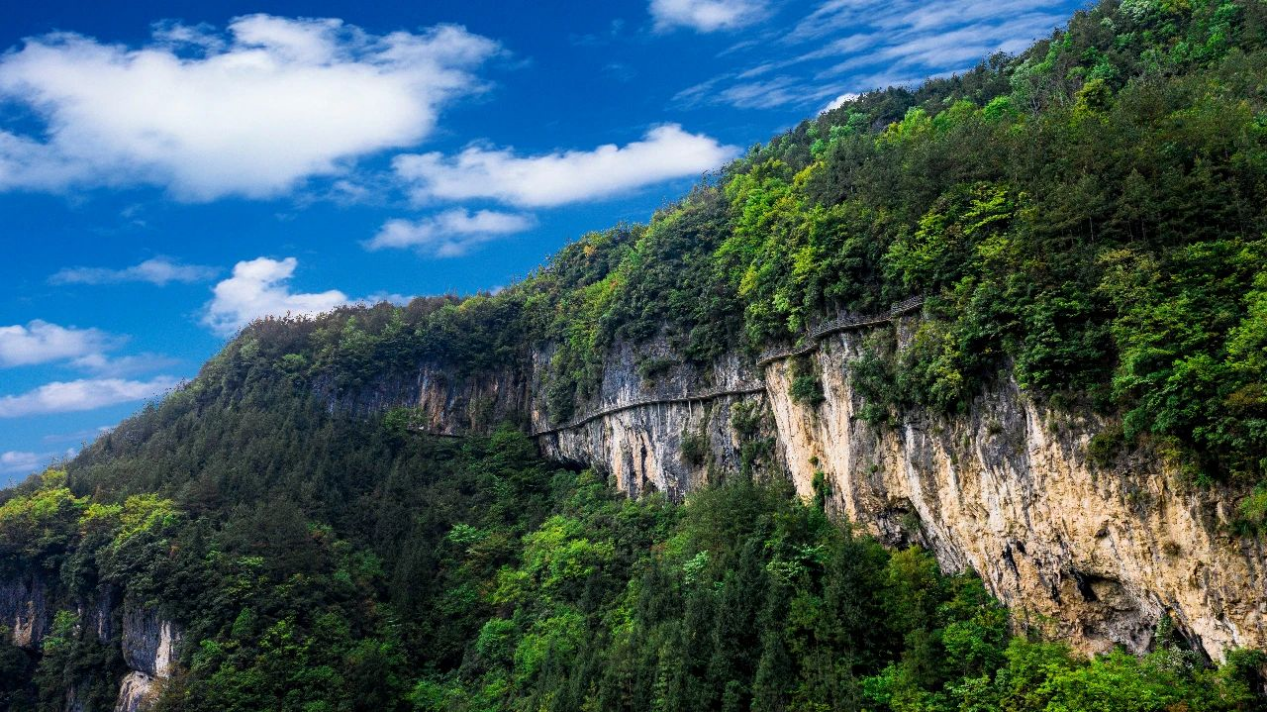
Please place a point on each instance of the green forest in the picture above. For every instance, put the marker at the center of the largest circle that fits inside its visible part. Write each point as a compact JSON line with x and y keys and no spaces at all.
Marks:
{"x":323,"y":564}
{"x":1086,"y":218}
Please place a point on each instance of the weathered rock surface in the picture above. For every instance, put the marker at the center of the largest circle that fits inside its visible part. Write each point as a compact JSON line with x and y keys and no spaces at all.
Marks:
{"x":642,"y":449}
{"x":136,"y":692}
{"x":24,"y":609}
{"x":149,"y":644}
{"x":444,"y":403}
{"x":1098,"y":555}
{"x":1008,"y":490}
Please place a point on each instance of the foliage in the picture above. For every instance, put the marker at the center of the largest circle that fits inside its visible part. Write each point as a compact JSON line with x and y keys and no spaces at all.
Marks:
{"x":1085,"y":218}
{"x":322,"y":563}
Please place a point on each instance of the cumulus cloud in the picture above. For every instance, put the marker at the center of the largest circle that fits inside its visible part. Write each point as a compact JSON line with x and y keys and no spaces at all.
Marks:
{"x":249,"y":111}
{"x":158,"y":271}
{"x":81,"y":395}
{"x":706,"y":15}
{"x":260,"y":287}
{"x":451,"y":233}
{"x":42,"y":342}
{"x":562,"y":177}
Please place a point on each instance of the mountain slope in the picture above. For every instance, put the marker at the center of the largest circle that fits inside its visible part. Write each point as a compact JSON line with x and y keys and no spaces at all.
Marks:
{"x":1076,"y":413}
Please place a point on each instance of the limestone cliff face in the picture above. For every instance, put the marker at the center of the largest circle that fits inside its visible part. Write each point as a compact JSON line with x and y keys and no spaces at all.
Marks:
{"x":149,"y":644}
{"x":670,"y":447}
{"x":1008,"y":490}
{"x":445,"y":403}
{"x":29,"y":603}
{"x":1095,"y":555}
{"x":24,"y":609}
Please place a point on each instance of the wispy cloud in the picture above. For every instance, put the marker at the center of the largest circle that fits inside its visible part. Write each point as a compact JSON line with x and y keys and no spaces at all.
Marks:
{"x":665,"y":152}
{"x":14,"y":462}
{"x":79,"y":436}
{"x":452,"y":233}
{"x":839,"y":101}
{"x":706,"y":15}
{"x":249,"y":111}
{"x":121,"y":366}
{"x":159,"y":271}
{"x":82,"y":395}
{"x":844,"y":47}
{"x":41,"y":342}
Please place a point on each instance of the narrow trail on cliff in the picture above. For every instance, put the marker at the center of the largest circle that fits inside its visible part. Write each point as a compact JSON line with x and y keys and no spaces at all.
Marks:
{"x":811,"y":342}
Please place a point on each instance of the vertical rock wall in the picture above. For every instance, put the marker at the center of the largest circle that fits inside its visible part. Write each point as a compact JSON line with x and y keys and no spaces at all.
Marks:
{"x":149,"y":644}
{"x":1094,"y":555}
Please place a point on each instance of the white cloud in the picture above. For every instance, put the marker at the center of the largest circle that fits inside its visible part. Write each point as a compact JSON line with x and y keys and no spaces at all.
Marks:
{"x":839,"y":101}
{"x":159,"y":271}
{"x":259,"y":288}
{"x":13,"y":462}
{"x":562,"y":177}
{"x":42,"y":342}
{"x":451,"y":233}
{"x":79,"y":436}
{"x":706,"y":15}
{"x":81,"y":395}
{"x":859,"y":45}
{"x":251,"y":111}
{"x":123,"y":366}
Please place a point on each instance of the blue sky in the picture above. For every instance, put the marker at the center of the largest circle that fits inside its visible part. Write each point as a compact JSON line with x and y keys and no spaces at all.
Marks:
{"x":169,"y":171}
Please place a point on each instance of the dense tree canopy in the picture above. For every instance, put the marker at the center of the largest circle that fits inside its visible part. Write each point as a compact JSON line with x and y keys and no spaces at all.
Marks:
{"x":1086,"y":218}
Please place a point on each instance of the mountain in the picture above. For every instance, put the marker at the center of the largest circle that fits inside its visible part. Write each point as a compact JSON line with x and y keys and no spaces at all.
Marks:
{"x":911,"y":408}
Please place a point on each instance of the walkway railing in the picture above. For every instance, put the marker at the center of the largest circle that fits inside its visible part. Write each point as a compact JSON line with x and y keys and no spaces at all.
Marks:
{"x":653,"y":399}
{"x":844,"y":322}
{"x":812,"y":339}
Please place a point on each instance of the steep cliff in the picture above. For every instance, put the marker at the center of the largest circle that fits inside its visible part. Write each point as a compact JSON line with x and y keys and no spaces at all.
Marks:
{"x":1090,"y":553}
{"x":1096,"y":555}
{"x":29,"y":604}
{"x":24,"y":609}
{"x":149,"y":645}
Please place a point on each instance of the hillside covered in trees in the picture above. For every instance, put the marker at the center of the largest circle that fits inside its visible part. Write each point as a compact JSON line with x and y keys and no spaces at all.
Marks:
{"x":1087,"y":218}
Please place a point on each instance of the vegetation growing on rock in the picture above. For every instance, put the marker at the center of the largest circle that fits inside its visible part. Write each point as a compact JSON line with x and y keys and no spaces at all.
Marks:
{"x":1086,"y":218}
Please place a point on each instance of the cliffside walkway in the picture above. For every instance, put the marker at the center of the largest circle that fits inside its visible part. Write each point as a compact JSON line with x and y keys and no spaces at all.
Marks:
{"x":811,"y":341}
{"x":653,"y":399}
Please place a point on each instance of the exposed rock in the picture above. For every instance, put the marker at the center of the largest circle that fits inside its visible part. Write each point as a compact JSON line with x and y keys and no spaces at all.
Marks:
{"x":1096,"y":555}
{"x":24,"y":609}
{"x":642,"y":449}
{"x":1008,"y":490}
{"x":97,"y":613}
{"x":149,"y":642}
{"x":137,"y":692}
{"x":446,"y":404}
{"x":1093,"y":555}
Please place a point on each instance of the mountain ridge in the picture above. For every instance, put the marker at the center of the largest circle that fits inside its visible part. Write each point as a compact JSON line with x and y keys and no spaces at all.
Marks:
{"x":1076,"y":414}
